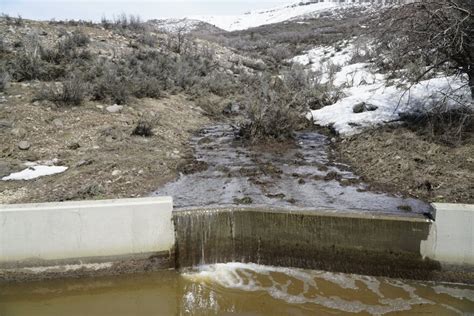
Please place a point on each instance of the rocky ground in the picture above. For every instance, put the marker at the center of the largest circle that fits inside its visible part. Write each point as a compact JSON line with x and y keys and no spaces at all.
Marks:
{"x":104,"y":159}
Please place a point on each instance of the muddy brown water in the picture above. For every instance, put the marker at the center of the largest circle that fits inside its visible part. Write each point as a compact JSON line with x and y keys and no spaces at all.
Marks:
{"x":236,"y":289}
{"x":299,"y":176}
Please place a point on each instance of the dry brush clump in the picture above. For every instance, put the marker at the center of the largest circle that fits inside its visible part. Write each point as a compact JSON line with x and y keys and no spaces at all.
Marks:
{"x":72,"y":91}
{"x":426,"y":39}
{"x":35,"y":61}
{"x":276,"y":108}
{"x":435,"y":35}
{"x":4,"y":80}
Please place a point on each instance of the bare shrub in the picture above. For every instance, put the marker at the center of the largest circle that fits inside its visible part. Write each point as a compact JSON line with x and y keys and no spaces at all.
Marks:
{"x":3,"y":46}
{"x":18,"y":21}
{"x":132,"y":22}
{"x":76,"y":39}
{"x":146,"y":87}
{"x":71,"y":92}
{"x":424,"y":39}
{"x":448,"y":125}
{"x":279,"y":53}
{"x":4,"y":80}
{"x":211,"y":104}
{"x":438,"y":33}
{"x":27,"y":63}
{"x":148,"y":39}
{"x":111,"y":84}
{"x":272,"y":112}
{"x":8,"y":19}
{"x":143,"y":128}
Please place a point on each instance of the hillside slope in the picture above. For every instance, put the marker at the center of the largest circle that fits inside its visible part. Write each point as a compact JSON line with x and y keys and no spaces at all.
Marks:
{"x":263,"y":17}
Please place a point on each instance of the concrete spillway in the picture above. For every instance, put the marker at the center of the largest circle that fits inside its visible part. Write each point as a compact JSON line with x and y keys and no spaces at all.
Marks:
{"x":122,"y":236}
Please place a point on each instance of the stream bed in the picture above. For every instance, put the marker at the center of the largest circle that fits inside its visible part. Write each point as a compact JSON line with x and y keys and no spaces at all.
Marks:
{"x":296,"y":175}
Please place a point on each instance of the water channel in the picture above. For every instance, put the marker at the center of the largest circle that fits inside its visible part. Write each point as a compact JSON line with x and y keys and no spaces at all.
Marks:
{"x":236,"y":289}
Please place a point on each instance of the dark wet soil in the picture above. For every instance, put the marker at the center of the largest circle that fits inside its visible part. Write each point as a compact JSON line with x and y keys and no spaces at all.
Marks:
{"x":296,"y":174}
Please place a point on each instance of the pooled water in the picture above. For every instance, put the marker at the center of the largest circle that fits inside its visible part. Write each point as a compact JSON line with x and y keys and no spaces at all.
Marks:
{"x":299,"y":176}
{"x":237,"y":289}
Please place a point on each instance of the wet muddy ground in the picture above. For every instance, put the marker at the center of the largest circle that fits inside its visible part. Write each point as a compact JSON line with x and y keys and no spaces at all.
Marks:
{"x":293,"y":175}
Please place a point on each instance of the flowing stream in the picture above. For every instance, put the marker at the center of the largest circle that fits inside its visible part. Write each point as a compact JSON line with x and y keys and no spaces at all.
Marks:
{"x":297,"y":175}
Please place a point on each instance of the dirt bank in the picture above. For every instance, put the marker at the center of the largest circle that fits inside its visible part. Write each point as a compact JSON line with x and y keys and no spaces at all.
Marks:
{"x":104,"y":160}
{"x":399,"y":160}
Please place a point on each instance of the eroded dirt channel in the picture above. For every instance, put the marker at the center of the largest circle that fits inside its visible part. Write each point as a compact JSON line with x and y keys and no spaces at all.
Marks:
{"x":292,"y":175}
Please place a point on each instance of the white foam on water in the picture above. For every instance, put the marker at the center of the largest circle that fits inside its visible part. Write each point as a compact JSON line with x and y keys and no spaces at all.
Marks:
{"x":248,"y":277}
{"x":455,"y":292}
{"x":70,"y":267}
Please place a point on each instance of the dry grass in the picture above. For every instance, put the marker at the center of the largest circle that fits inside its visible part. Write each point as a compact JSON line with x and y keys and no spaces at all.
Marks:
{"x":402,"y":161}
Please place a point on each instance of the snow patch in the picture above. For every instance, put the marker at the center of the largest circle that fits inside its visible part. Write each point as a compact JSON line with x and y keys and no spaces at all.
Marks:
{"x":390,"y":102}
{"x":174,"y":25}
{"x":263,"y":17}
{"x":34,"y":172}
{"x":359,"y":82}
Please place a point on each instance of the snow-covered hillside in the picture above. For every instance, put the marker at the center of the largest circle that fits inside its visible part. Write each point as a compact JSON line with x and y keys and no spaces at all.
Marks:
{"x":263,"y":17}
{"x":378,"y":100}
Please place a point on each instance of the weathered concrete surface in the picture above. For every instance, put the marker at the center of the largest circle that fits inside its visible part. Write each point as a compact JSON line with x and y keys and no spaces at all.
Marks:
{"x":353,"y":242}
{"x":451,"y":238}
{"x":85,"y":232}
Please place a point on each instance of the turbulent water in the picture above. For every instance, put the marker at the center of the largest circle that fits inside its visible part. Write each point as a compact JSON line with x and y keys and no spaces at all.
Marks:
{"x":237,"y":289}
{"x":293,"y":176}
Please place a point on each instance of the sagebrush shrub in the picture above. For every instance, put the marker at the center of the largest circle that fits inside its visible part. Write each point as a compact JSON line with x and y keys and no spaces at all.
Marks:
{"x":71,"y":92}
{"x":4,"y":80}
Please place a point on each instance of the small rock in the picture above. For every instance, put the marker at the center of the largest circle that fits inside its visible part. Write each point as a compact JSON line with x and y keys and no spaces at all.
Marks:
{"x":86,"y":162}
{"x":24,"y":145}
{"x":109,"y":139}
{"x":36,"y":103}
{"x":116,"y":173}
{"x":3,"y":99}
{"x":244,"y":200}
{"x":114,"y":108}
{"x":205,"y":140}
{"x":359,"y":107}
{"x":19,"y":132}
{"x":5,"y":124}
{"x":58,"y":123}
{"x":371,"y":107}
{"x":74,"y":146}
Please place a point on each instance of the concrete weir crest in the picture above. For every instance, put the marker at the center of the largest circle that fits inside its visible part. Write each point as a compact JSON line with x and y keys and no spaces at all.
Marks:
{"x":50,"y":240}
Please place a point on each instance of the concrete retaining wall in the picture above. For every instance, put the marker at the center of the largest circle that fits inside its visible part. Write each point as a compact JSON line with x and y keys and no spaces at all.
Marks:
{"x":38,"y":234}
{"x":451,"y":237}
{"x":142,"y":230}
{"x":354,"y":242}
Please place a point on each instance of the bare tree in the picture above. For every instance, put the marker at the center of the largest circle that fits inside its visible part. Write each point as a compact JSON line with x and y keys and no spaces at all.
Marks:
{"x":440,"y":33}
